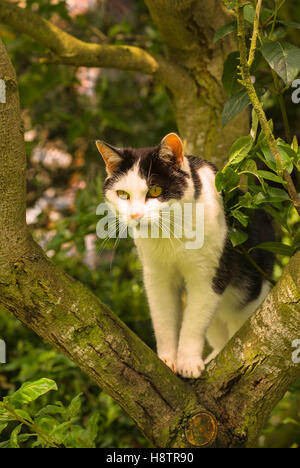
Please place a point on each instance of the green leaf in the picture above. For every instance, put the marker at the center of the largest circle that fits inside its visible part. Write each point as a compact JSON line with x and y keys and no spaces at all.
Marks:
{"x":241,"y":217}
{"x":284,"y":58}
{"x":227,"y":179}
{"x":236,"y":104}
{"x":249,"y":166}
{"x":277,"y":248}
{"x":294,"y":145}
{"x":224,"y":31}
{"x":237,"y":236}
{"x":93,"y":426}
{"x":290,"y":24}
{"x":219,"y":181}
{"x":51,"y":409}
{"x":74,"y":407}
{"x":268,"y":158}
{"x":240,"y":149}
{"x":249,"y":13}
{"x":230,"y":74}
{"x":289,"y":156}
{"x":13,"y":441}
{"x":5,"y":415}
{"x":271,"y":176}
{"x":286,"y":153}
{"x":3,"y":426}
{"x":276,"y":195}
{"x":30,"y":391}
{"x":23,"y":414}
{"x":247,"y":200}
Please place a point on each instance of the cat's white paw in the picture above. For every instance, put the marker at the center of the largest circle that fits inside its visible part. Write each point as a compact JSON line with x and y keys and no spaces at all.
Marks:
{"x":190,"y":367}
{"x":170,"y":361}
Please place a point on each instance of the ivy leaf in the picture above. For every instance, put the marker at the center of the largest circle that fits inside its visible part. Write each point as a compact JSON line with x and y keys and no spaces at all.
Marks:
{"x":224,"y":31}
{"x":284,"y":58}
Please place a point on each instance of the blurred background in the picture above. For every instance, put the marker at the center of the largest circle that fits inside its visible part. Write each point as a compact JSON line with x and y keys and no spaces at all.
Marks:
{"x":65,"y":109}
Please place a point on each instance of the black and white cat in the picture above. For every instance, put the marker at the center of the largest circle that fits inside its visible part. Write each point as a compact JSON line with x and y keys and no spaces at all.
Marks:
{"x":222,"y":288}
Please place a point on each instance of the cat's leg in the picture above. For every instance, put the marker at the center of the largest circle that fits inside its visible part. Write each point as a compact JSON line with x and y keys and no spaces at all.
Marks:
{"x":202,"y":303}
{"x":163,"y":294}
{"x":217,"y":336}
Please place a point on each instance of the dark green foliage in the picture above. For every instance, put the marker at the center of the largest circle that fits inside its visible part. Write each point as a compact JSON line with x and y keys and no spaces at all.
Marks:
{"x":282,"y":57}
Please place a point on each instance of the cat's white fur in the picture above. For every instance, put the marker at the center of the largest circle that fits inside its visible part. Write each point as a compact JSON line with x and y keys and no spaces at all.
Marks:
{"x":169,"y":269}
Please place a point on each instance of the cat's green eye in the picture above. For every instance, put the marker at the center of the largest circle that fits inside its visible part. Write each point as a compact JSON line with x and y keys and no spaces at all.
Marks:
{"x":154,"y":192}
{"x":123,"y":195}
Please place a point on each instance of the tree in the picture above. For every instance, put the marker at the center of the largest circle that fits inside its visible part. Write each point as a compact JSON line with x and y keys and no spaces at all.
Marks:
{"x":229,"y":404}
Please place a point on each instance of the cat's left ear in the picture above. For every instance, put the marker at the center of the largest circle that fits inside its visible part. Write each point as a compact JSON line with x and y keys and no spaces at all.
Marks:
{"x":111,"y":156}
{"x":171,"y":150}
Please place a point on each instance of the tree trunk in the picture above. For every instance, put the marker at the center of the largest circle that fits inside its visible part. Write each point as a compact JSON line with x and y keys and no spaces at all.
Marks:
{"x":188,"y":29}
{"x":226,"y":407}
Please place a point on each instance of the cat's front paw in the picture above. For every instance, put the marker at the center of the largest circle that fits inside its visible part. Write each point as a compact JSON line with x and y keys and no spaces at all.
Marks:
{"x":170,"y":361}
{"x":190,"y":367}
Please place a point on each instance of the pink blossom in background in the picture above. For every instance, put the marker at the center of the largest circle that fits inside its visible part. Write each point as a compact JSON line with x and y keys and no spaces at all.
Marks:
{"x":78,"y":7}
{"x":87,"y":78}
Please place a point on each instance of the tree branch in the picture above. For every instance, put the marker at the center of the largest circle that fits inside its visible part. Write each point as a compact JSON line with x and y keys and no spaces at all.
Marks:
{"x":255,"y":33}
{"x":69,"y":50}
{"x":13,"y":229}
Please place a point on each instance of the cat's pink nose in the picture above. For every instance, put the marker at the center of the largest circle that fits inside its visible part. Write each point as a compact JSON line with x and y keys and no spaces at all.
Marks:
{"x":135,"y":215}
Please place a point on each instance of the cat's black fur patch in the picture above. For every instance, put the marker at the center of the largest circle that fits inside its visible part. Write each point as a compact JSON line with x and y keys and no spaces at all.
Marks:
{"x":169,"y":177}
{"x":235,"y":269}
{"x":196,"y":163}
{"x":154,"y":170}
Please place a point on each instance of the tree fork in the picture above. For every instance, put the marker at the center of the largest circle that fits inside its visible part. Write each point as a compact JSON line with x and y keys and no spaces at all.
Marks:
{"x":169,"y":411}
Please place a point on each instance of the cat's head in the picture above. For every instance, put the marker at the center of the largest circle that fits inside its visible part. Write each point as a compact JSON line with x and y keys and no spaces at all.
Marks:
{"x":141,"y":181}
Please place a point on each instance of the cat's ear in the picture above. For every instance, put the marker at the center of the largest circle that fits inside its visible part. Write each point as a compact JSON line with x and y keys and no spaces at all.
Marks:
{"x":171,"y":150}
{"x":111,"y":156}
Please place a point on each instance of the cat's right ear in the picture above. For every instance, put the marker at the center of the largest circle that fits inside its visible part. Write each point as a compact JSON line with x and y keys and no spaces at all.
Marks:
{"x":111,"y":156}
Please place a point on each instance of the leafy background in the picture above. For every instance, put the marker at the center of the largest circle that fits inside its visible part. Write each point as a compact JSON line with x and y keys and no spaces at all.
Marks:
{"x":64,"y":111}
